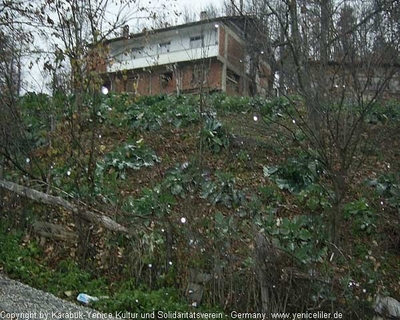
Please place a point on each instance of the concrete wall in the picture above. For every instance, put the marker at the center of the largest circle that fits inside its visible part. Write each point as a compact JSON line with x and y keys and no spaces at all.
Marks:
{"x":171,"y":46}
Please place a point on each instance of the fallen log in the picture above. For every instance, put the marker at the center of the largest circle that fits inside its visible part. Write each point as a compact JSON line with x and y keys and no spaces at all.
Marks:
{"x":53,"y":231}
{"x":45,"y":198}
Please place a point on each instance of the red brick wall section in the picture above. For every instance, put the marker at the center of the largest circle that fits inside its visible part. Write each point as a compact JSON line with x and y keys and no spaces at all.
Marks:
{"x":221,"y":41}
{"x":235,"y":53}
{"x":215,"y":77}
{"x":149,"y":83}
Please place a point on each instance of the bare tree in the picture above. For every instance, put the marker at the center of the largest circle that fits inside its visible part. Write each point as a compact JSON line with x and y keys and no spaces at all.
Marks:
{"x":15,"y":145}
{"x":325,"y":52}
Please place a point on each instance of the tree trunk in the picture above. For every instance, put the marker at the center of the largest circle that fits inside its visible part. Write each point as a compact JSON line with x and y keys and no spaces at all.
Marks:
{"x":44,"y":198}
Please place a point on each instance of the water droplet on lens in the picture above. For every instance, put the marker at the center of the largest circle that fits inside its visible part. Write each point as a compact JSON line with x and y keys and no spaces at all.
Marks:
{"x":104,"y":90}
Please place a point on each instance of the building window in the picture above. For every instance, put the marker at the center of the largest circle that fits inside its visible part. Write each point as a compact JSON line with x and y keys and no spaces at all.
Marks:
{"x":233,"y":81}
{"x":166,"y":78}
{"x":137,"y":52}
{"x":130,"y":82}
{"x":107,"y":84}
{"x":125,"y":56}
{"x":196,"y":42}
{"x":164,"y":47}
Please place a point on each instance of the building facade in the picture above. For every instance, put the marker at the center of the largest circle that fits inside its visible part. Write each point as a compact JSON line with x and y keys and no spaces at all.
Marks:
{"x":208,"y":55}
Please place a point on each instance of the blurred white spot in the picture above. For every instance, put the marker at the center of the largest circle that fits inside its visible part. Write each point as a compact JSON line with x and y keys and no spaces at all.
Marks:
{"x":294,"y":121}
{"x":99,"y":136}
{"x":216,"y":26}
{"x":183,"y":220}
{"x":28,"y":160}
{"x":137,"y":301}
{"x":185,"y":165}
{"x":150,"y":265}
{"x":255,"y":118}
{"x":68,"y":173}
{"x":104,"y":90}
{"x":353,"y":283}
{"x":170,"y":263}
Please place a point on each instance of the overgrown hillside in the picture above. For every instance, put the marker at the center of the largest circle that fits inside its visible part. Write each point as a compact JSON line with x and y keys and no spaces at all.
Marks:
{"x":219,"y":203}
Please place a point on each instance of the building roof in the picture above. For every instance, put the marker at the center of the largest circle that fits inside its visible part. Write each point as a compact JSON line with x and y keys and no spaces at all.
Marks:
{"x":237,"y":22}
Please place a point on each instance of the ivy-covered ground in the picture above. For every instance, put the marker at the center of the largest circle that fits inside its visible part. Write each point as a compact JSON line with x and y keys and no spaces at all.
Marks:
{"x":195,"y":181}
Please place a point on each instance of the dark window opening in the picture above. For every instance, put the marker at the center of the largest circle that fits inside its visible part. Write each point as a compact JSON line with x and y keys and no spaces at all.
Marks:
{"x":196,"y":41}
{"x":233,"y":81}
{"x":165,"y":78}
{"x":137,"y":52}
{"x":233,"y":77}
{"x":196,"y":38}
{"x":164,"y":46}
{"x":107,"y":84}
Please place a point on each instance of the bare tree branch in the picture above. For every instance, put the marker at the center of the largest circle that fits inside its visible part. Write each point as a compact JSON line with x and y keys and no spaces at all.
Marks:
{"x":44,"y":198}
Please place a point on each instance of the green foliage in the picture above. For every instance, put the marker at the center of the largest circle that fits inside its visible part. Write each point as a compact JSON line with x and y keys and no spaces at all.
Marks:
{"x":142,"y":302}
{"x":302,"y":236}
{"x":270,"y":194}
{"x":388,"y":186}
{"x":362,"y":216}
{"x":222,"y":190}
{"x":183,"y":114}
{"x":22,"y":262}
{"x":152,"y":202}
{"x":132,"y":156}
{"x":147,"y":117}
{"x":214,"y":136}
{"x":149,"y":113}
{"x":383,"y":112}
{"x":277,"y":109}
{"x":225,"y":104}
{"x":224,"y":225}
{"x":34,"y":120}
{"x":181,"y":180}
{"x":296,"y":174}
{"x":314,"y":198}
{"x":221,"y":219}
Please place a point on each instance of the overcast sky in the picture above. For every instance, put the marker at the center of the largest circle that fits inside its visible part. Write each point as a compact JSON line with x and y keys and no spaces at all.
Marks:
{"x":198,"y":5}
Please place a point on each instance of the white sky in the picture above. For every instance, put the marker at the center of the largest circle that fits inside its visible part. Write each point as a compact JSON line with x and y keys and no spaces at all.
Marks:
{"x":198,"y":5}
